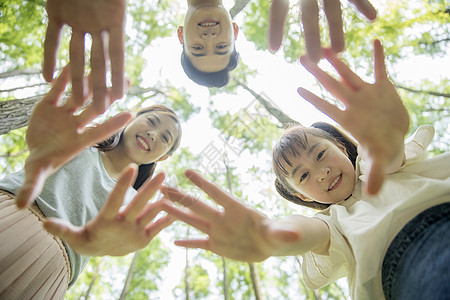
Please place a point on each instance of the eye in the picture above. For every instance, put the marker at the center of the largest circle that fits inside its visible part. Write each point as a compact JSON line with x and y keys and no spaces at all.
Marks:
{"x":165,"y":139}
{"x":222,"y":46}
{"x":303,"y":177}
{"x":152,"y":123}
{"x":197,"y":47}
{"x":319,"y":156}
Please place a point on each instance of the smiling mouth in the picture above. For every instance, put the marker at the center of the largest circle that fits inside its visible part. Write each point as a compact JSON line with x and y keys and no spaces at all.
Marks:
{"x":208,"y":23}
{"x":335,"y":182}
{"x":143,"y":143}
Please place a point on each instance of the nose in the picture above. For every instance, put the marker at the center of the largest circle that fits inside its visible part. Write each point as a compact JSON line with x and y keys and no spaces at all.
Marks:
{"x":208,"y":35}
{"x":151,"y":135}
{"x":323,"y":173}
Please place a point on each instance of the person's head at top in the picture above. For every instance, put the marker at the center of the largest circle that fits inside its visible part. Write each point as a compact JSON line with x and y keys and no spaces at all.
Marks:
{"x":152,"y":136}
{"x":208,"y":40}
{"x":315,"y":166}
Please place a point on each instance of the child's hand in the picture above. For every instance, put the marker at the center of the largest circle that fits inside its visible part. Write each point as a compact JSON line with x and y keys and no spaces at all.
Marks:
{"x":117,"y":231}
{"x":55,"y":135}
{"x":236,"y":232}
{"x":374,"y":113}
{"x":104,"y":20}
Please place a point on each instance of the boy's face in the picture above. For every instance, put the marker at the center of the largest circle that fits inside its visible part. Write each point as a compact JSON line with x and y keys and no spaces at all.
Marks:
{"x":323,"y":173}
{"x":208,"y":37}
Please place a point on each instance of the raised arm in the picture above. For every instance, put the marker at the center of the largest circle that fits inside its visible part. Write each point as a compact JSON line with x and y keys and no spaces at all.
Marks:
{"x":117,"y":230}
{"x":104,"y":20}
{"x":310,"y":21}
{"x":241,"y":233}
{"x":374,"y":113}
{"x":56,"y":134}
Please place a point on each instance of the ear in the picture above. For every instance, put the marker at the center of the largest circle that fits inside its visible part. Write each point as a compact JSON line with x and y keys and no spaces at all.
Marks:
{"x":235,"y":30}
{"x":163,"y":158}
{"x":180,"y":34}
{"x":343,"y":149}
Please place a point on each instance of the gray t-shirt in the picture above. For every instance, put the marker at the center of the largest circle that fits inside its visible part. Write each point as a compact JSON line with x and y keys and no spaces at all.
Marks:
{"x":75,"y":193}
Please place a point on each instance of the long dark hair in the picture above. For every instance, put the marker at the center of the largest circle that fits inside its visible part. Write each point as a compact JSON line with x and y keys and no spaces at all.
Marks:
{"x":145,"y":170}
{"x":292,"y":142}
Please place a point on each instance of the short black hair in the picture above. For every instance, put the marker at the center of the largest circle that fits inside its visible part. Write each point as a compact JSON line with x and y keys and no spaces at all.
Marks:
{"x":209,"y":79}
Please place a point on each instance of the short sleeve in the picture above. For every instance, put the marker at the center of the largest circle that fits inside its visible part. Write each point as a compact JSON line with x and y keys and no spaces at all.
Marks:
{"x":320,"y":270}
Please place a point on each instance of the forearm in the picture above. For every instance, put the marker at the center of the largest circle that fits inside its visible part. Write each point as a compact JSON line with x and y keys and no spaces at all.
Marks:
{"x":313,"y":235}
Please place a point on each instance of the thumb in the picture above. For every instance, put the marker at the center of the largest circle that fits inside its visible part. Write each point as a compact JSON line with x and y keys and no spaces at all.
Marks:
{"x":31,"y":188}
{"x":62,"y":229}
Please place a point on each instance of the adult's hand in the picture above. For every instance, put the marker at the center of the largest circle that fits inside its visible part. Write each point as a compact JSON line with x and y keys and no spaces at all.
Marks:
{"x":374,"y":113}
{"x":236,"y":231}
{"x":310,"y":20}
{"x":56,"y":134}
{"x":117,"y":231}
{"x":104,"y":21}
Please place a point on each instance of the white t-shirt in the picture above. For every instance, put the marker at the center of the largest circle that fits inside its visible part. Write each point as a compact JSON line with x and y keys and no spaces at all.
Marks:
{"x":362,"y":227}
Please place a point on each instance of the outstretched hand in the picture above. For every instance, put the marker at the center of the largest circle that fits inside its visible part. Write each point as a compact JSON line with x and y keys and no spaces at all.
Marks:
{"x":236,"y":232}
{"x":310,"y":21}
{"x":104,"y":20}
{"x":56,"y":134}
{"x":117,"y":231}
{"x":374,"y":113}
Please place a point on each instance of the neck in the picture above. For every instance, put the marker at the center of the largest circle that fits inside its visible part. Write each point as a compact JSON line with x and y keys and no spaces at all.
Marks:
{"x":114,"y":162}
{"x":203,"y":2}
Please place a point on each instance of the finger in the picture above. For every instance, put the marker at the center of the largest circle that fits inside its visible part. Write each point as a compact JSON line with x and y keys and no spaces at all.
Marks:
{"x":278,"y":14}
{"x":333,"y":14}
{"x":116,"y":53}
{"x":31,"y":188}
{"x":339,"y":90}
{"x":197,"y":206}
{"x":366,"y":8}
{"x":51,"y":43}
{"x":194,"y":244}
{"x":348,"y":76}
{"x":58,"y":88}
{"x":216,"y":193}
{"x":310,"y":21}
{"x":115,"y":199}
{"x":155,"y":228}
{"x":106,"y":129}
{"x":322,"y":105}
{"x":145,"y":193}
{"x":187,"y":217}
{"x":69,"y":233}
{"x":76,"y":54}
{"x":98,"y":66}
{"x":379,"y":63}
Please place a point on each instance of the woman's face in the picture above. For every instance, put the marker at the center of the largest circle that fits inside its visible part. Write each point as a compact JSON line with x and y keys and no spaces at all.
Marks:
{"x":322,"y":173}
{"x":149,"y":137}
{"x":208,"y":37}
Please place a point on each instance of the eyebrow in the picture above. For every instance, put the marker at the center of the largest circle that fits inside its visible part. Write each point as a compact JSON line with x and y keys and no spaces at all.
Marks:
{"x":204,"y":54}
{"x":157,"y":118}
{"x":310,"y":150}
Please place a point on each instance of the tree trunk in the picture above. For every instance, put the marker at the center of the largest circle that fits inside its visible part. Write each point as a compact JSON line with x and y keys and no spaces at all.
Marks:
{"x":15,"y":114}
{"x":238,"y":7}
{"x":278,"y":114}
{"x":94,"y":278}
{"x":256,"y":281}
{"x":130,"y":274}
{"x":187,"y":287}
{"x":225,"y":285}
